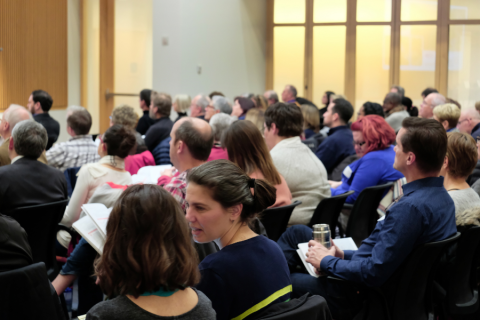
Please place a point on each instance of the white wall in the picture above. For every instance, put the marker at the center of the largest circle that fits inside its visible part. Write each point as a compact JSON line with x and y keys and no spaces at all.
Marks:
{"x":226,"y":38}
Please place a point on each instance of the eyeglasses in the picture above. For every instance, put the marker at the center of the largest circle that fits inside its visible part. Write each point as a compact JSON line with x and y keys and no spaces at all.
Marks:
{"x":358,"y":143}
{"x":460,"y":122}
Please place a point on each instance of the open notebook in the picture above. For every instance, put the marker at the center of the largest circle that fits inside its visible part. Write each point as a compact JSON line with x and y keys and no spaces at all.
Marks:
{"x":93,"y":226}
{"x":343,"y":243}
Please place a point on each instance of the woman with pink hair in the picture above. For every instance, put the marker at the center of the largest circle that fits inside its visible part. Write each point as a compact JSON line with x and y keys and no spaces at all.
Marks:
{"x":372,"y":138}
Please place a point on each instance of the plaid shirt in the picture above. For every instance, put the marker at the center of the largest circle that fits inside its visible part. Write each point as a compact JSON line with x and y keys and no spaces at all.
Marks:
{"x":178,"y":188}
{"x":76,"y":152}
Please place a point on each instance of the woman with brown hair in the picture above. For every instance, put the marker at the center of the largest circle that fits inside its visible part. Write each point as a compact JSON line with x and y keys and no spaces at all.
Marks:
{"x":250,"y":271}
{"x":149,"y":261}
{"x":248,"y":150}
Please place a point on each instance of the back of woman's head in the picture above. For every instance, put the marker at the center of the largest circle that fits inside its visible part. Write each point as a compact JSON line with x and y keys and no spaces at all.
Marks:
{"x":257,"y":117}
{"x":245,"y":103}
{"x":230,"y":186}
{"x":377,"y":133}
{"x":148,"y":245}
{"x":311,"y":117}
{"x":373,"y":108}
{"x":119,"y":140}
{"x":247,"y":148}
{"x":183,"y":102}
{"x":461,"y":154}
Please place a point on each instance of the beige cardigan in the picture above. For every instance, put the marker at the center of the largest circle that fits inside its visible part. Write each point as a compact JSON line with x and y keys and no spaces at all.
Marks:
{"x":305,"y":175}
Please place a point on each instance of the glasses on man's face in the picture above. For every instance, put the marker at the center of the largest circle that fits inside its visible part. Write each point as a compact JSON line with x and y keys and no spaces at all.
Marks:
{"x":460,"y":122}
{"x":355,"y":143}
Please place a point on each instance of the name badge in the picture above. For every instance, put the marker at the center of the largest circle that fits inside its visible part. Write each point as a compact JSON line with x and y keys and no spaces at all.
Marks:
{"x":347,"y":172}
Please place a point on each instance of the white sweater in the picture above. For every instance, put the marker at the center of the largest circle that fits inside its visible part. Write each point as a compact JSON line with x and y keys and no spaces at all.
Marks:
{"x":305,"y":175}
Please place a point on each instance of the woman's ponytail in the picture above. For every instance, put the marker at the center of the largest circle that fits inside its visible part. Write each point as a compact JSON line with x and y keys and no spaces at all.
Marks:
{"x":264,"y":195}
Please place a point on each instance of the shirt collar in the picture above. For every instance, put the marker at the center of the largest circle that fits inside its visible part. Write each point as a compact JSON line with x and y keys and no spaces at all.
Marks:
{"x":288,"y":141}
{"x":333,"y":130}
{"x":422,"y":183}
{"x":292,"y":101}
{"x":81,"y":136}
{"x":475,"y":129}
{"x":146,"y":112}
{"x":16,"y":158}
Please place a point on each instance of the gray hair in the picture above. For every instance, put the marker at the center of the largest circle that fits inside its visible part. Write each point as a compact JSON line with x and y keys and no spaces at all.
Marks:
{"x":219,"y":123}
{"x":72,"y":109}
{"x":293,"y":90}
{"x":437,"y":99}
{"x":400,"y":90}
{"x":221,"y":103}
{"x":272,"y":95}
{"x":203,"y":102}
{"x":16,"y":113}
{"x":29,"y":138}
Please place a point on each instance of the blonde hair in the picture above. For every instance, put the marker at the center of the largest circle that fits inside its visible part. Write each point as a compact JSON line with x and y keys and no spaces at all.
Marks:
{"x":183,"y":102}
{"x":125,"y":116}
{"x":449,"y":112}
{"x":257,"y":117}
{"x":311,"y":117}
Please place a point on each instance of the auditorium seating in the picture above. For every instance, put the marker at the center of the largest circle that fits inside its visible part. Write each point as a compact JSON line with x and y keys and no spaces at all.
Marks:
{"x":407,"y":294}
{"x":275,"y":220}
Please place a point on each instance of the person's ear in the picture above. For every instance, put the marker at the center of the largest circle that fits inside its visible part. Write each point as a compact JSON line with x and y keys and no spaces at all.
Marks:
{"x":274,"y":129}
{"x":445,"y":163}
{"x":104,"y":146}
{"x":37,"y":106}
{"x":445,"y":124}
{"x":10,"y":144}
{"x":180,"y":147}
{"x":235,"y":212}
{"x":411,"y":158}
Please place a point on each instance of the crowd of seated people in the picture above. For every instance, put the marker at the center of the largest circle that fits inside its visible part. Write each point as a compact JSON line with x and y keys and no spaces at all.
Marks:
{"x":231,"y":161}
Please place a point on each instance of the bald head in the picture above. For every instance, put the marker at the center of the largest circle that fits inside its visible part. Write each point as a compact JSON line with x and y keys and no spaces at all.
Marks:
{"x":468,"y":120}
{"x":429,"y":103}
{"x":196,"y":134}
{"x":13,"y":115}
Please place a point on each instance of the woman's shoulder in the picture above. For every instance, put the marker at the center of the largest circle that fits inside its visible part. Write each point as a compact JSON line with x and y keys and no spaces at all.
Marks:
{"x":117,"y":308}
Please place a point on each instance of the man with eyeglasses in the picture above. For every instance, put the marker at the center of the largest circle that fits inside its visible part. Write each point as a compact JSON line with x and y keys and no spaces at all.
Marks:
{"x":469,"y":122}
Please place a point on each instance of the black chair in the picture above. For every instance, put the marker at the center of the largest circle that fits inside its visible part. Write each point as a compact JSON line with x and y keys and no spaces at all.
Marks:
{"x":363,"y":214}
{"x":26,"y":293}
{"x":407,"y":294}
{"x":41,"y":223}
{"x":275,"y":220}
{"x":328,"y":211}
{"x":306,"y":308}
{"x":459,"y":296}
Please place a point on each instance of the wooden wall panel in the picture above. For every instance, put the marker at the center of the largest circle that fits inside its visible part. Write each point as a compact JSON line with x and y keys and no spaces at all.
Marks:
{"x":33,"y":36}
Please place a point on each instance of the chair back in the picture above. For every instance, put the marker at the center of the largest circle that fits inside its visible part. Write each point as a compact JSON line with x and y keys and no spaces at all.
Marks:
{"x":71,"y":177}
{"x":25,"y":293}
{"x":305,"y":307}
{"x":328,"y":211}
{"x":275,"y":220}
{"x":406,"y":289}
{"x":40,"y":223}
{"x":462,"y":290}
{"x":364,"y":216}
{"x":161,"y":153}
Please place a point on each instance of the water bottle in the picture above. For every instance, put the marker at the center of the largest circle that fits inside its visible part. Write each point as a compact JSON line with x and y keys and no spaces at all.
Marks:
{"x":321,"y":234}
{"x":68,"y":294}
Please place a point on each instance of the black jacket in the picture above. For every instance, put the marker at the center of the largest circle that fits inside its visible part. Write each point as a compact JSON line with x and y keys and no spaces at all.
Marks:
{"x":158,"y":132}
{"x":144,"y":123}
{"x":14,"y":247}
{"x":28,"y":182}
{"x":51,"y":125}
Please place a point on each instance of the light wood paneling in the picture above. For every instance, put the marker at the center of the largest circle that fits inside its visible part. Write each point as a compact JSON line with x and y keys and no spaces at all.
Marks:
{"x":107,"y":37}
{"x":33,"y":38}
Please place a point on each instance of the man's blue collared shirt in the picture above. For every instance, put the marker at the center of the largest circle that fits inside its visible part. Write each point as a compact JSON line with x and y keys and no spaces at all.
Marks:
{"x":336,"y":147}
{"x":425,"y":213}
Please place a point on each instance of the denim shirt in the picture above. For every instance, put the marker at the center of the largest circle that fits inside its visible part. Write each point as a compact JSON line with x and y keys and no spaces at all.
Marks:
{"x":425,"y":213}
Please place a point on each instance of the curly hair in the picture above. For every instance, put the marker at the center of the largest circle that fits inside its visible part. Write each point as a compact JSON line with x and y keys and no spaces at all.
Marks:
{"x":377,"y":133}
{"x":125,"y":115}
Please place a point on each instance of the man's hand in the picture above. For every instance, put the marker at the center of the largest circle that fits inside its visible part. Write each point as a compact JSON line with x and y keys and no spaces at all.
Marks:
{"x":316,"y":252}
{"x":338,"y":252}
{"x":168,"y":172}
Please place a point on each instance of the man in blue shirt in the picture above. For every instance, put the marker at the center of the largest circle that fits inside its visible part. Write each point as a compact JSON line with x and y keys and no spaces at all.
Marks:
{"x":425,"y":213}
{"x":339,"y":143}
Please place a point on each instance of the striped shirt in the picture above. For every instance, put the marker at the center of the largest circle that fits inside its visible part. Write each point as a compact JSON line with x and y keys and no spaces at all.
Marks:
{"x":79,"y":150}
{"x":177,"y":186}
